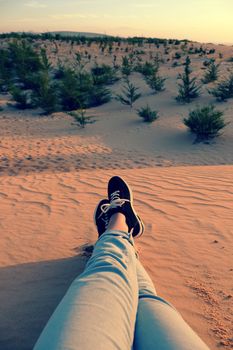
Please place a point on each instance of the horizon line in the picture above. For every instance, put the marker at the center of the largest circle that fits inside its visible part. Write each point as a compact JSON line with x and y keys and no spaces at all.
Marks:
{"x":117,"y":36}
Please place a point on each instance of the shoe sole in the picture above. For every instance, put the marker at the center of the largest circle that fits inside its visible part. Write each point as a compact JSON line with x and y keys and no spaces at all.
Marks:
{"x":94,"y":216}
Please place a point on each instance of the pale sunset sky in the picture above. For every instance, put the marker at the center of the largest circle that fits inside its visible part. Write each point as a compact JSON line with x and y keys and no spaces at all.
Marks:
{"x":200,"y":20}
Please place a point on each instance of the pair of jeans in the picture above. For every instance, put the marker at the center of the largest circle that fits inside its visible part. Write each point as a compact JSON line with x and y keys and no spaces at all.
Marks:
{"x":113,"y":305}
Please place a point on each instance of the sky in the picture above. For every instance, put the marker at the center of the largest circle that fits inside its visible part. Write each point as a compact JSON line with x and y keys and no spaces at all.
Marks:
{"x":198,"y":20}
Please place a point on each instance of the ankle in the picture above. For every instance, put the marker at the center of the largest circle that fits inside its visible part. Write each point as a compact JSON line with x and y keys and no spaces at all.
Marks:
{"x":118,"y":222}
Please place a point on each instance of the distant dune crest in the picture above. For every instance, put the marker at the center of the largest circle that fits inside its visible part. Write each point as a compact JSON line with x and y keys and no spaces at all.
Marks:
{"x":70,"y":33}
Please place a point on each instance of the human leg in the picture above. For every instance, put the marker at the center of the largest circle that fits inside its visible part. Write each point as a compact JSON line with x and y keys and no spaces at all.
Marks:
{"x":99,"y":309}
{"x":159,"y":325}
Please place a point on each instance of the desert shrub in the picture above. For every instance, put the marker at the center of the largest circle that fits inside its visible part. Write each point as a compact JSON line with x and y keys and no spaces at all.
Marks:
{"x":152,"y":77}
{"x":74,"y":90}
{"x":20,"y":97}
{"x":148,"y":68}
{"x":126,"y":67}
{"x":45,"y":95}
{"x":30,"y":81}
{"x":130,"y":94}
{"x":98,"y":95}
{"x":103,"y":74}
{"x":147,"y":114}
{"x":207,"y":63}
{"x":155,"y":82}
{"x":5,"y":71}
{"x":46,"y":65}
{"x":79,"y":62}
{"x":211,"y":73}
{"x":205,"y":122}
{"x":77,"y":90}
{"x":188,"y":89}
{"x":59,"y":71}
{"x":211,"y":52}
{"x":24,"y":59}
{"x":177,"y":55}
{"x":81,"y":119}
{"x":175,"y":64}
{"x":224,"y":90}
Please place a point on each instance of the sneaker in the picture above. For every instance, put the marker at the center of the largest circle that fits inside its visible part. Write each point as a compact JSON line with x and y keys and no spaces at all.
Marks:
{"x":121,"y":201}
{"x":102,"y":217}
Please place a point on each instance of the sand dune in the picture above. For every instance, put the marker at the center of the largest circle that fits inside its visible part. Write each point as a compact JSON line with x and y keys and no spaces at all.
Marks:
{"x":187,"y":247}
{"x":52,"y":174}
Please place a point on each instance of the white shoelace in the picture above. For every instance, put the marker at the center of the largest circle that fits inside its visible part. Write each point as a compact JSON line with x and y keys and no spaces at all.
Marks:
{"x":105,"y":220}
{"x":115,"y":201}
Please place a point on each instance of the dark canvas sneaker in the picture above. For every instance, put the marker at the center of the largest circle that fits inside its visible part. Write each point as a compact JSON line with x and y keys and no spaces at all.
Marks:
{"x":102,"y":216}
{"x":121,"y":201}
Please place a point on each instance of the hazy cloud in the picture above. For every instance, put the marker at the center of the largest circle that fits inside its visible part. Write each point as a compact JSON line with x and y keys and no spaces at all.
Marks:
{"x":72,"y":15}
{"x":35,"y":4}
{"x":145,"y":5}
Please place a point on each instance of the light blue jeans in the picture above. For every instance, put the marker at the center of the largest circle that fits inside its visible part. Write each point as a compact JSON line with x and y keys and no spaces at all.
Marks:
{"x":113,"y":305}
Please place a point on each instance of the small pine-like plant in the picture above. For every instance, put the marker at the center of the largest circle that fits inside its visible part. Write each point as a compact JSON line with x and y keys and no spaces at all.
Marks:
{"x":177,"y":56}
{"x":99,"y":95}
{"x":156,"y":82}
{"x":149,"y":69}
{"x":24,"y":58}
{"x":46,"y":65}
{"x":211,"y":73}
{"x":126,"y":68}
{"x":45,"y":96}
{"x":20,"y":97}
{"x":205,"y":122}
{"x":81,"y":119}
{"x":224,"y":89}
{"x":130,"y":94}
{"x":5,"y":70}
{"x":147,"y":114}
{"x":151,"y":75}
{"x":103,"y":74}
{"x":188,"y":89}
{"x":74,"y":90}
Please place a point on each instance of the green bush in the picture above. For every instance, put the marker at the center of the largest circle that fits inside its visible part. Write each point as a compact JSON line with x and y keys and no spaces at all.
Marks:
{"x":78,"y":91}
{"x":98,"y":95}
{"x":130,"y":94}
{"x":5,"y":70}
{"x":155,"y":82}
{"x":177,"y":56}
{"x":224,"y":89}
{"x":205,"y":122}
{"x":148,"y":69}
{"x":212,"y":73}
{"x":126,"y":67}
{"x":81,"y":119}
{"x":20,"y":97}
{"x":148,"y":114}
{"x":103,"y":74}
{"x":45,"y":95}
{"x":46,"y":65}
{"x":74,"y":90}
{"x":59,"y":71}
{"x":188,"y":89}
{"x":24,"y":59}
